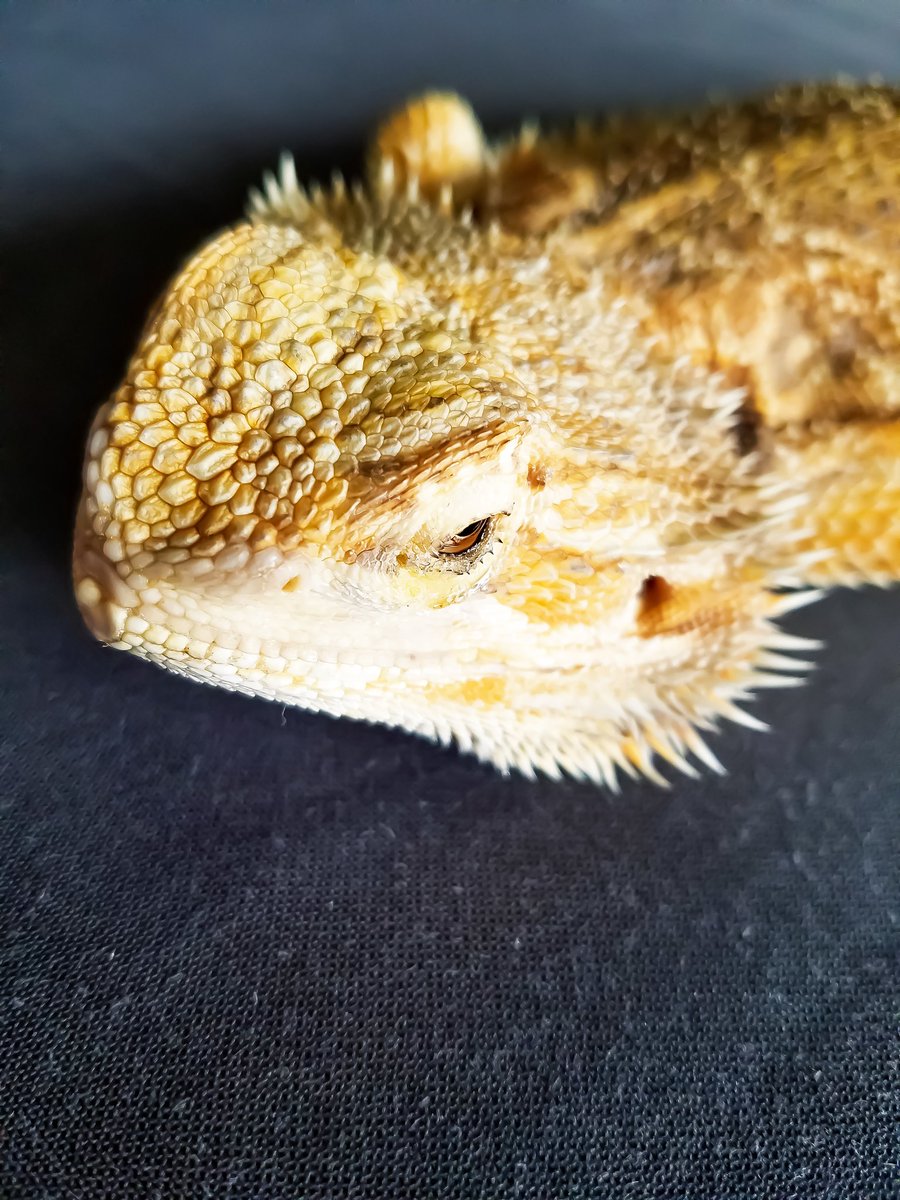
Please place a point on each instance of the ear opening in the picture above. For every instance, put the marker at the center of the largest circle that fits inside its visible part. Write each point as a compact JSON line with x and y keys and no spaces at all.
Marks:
{"x":655,"y":593}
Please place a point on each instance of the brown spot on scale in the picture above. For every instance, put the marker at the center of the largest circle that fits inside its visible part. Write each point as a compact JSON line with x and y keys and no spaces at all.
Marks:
{"x":537,"y":477}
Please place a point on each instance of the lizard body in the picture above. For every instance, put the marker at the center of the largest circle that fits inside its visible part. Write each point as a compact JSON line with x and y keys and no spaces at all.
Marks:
{"x":521,"y":445}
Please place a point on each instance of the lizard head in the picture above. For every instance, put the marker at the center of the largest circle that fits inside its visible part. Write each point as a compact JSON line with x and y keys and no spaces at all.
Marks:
{"x":305,"y":474}
{"x":328,"y":484}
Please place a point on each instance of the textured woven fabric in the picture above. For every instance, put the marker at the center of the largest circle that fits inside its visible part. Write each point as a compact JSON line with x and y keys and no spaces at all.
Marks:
{"x":268,"y":956}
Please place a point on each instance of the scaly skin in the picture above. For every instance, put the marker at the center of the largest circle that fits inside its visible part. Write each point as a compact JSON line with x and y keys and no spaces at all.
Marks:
{"x":660,"y":356}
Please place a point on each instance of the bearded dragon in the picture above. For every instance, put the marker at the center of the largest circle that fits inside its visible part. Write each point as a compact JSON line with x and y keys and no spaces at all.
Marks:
{"x":522,"y":444}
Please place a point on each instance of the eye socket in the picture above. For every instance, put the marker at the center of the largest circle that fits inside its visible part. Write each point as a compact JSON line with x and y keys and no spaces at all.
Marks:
{"x":467,"y":539}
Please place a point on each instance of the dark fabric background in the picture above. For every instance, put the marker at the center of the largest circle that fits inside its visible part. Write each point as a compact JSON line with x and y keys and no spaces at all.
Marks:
{"x":267,"y":956}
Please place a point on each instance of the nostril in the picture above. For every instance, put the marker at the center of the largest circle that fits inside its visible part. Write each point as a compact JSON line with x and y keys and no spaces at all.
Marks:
{"x":104,"y":599}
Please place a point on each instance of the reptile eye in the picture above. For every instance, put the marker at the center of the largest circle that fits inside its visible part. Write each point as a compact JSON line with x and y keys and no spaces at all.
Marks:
{"x":466,"y":539}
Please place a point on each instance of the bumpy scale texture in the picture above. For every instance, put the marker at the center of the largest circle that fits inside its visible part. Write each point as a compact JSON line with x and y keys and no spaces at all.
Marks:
{"x":523,"y":445}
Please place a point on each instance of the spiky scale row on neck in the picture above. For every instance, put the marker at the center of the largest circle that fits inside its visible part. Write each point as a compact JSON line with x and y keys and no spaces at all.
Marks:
{"x":481,"y":340}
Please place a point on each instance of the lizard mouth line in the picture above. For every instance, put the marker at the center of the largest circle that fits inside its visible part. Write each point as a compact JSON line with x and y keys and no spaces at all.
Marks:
{"x":187,"y":625}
